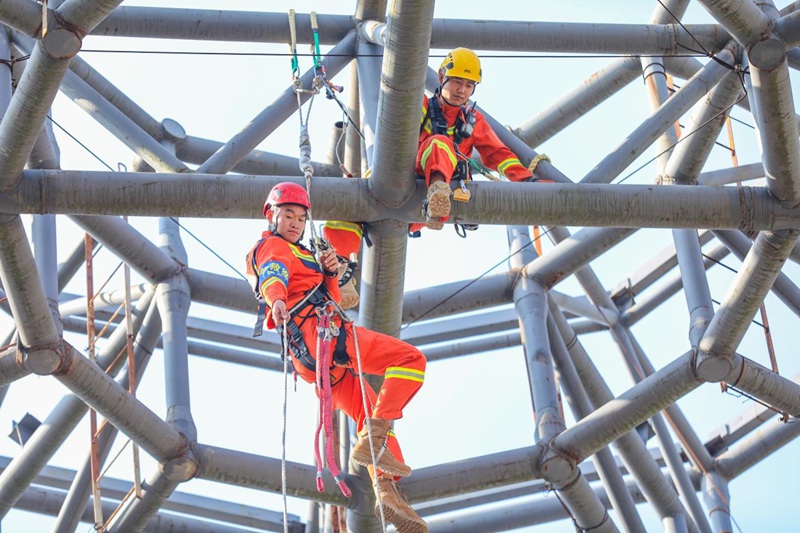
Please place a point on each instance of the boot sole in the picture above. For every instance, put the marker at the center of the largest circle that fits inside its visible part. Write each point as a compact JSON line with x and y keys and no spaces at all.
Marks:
{"x":434,"y":223}
{"x":402,"y":525}
{"x":439,"y":204}
{"x":388,"y":469}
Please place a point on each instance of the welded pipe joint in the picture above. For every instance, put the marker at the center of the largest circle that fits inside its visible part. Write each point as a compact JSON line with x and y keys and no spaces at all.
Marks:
{"x":556,"y":467}
{"x":60,"y":40}
{"x":44,"y":359}
{"x":713,"y":367}
{"x":181,"y":468}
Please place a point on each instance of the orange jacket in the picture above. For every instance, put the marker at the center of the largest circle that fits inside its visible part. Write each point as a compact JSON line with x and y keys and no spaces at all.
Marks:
{"x":286,"y":272}
{"x":494,"y":154}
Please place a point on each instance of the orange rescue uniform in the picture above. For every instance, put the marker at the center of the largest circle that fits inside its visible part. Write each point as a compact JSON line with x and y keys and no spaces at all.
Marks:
{"x":437,"y":152}
{"x":287,"y":272}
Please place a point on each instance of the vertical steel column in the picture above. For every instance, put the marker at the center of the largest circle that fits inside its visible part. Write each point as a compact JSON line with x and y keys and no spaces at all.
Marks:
{"x":174,"y":298}
{"x":530,"y":302}
{"x":353,"y":140}
{"x":610,"y":474}
{"x":717,"y":498}
{"x":591,"y":284}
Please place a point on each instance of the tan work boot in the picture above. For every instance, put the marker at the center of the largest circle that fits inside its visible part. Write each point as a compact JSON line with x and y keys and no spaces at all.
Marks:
{"x":438,"y":202}
{"x":348,"y":291}
{"x":396,"y":509}
{"x":384,"y":458}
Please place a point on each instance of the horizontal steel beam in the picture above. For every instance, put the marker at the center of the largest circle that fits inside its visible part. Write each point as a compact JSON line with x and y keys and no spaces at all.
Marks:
{"x":223,"y":196}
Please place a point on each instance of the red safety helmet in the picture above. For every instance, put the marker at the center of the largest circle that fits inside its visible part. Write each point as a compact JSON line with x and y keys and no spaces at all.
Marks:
{"x":286,"y":193}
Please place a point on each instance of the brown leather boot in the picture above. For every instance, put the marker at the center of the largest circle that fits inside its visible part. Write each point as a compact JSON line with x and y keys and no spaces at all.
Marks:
{"x":383,"y":456}
{"x":438,"y":202}
{"x":396,"y":509}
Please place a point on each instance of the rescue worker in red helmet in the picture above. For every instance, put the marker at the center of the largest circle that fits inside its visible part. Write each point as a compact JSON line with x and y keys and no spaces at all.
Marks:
{"x":293,"y":283}
{"x":450,"y":129}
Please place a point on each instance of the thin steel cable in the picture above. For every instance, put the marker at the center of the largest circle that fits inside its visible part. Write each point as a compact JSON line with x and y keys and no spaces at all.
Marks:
{"x":471,"y":282}
{"x":695,"y":53}
{"x":286,"y":355}
{"x":367,"y":417}
{"x":686,"y":136}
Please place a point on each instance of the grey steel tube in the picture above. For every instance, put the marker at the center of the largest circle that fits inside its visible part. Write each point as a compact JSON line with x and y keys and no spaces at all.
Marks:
{"x":129,"y":245}
{"x":477,"y":473}
{"x":748,"y":208}
{"x":24,"y":290}
{"x":218,"y":25}
{"x":778,"y":129}
{"x":731,"y":175}
{"x":783,"y":287}
{"x":253,"y":471}
{"x":530,"y":303}
{"x":369,"y":60}
{"x":589,"y":94}
{"x":604,"y":460}
{"x":22,"y":15}
{"x":135,"y":513}
{"x":263,"y":124}
{"x":629,"y":409}
{"x":573,"y":253}
{"x":382,"y":277}
{"x":736,"y":461}
{"x":763,"y":383}
{"x":701,"y":132}
{"x":86,"y":14}
{"x":743,"y":19}
{"x":196,"y":150}
{"x":173,"y":300}
{"x":405,"y":63}
{"x":35,"y":93}
{"x":10,"y":369}
{"x":759,"y":270}
{"x":116,"y":404}
{"x":662,"y":119}
{"x":458,"y":296}
{"x":695,"y":283}
{"x":717,"y":498}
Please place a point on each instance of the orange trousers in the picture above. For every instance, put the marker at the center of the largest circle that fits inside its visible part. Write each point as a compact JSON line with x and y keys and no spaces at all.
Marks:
{"x":436,"y":154}
{"x":401,"y":365}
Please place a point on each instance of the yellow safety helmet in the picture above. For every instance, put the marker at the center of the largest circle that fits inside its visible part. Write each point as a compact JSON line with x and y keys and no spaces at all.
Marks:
{"x":462,"y":63}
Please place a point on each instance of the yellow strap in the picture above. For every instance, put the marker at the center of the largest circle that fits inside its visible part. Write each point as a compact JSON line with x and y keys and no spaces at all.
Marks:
{"x":535,"y":162}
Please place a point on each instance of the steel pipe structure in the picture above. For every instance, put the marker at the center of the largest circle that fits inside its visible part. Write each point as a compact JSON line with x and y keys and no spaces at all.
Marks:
{"x":496,"y":333}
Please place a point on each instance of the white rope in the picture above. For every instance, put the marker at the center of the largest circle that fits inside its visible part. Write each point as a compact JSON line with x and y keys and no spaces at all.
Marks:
{"x":367,"y":416}
{"x":285,"y":353}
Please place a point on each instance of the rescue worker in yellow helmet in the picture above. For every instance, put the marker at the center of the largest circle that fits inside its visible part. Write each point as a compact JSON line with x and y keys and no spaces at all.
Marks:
{"x":450,"y":129}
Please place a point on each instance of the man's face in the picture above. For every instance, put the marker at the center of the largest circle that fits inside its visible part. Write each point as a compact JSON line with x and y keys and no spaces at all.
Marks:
{"x":290,"y":220}
{"x":457,"y":90}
